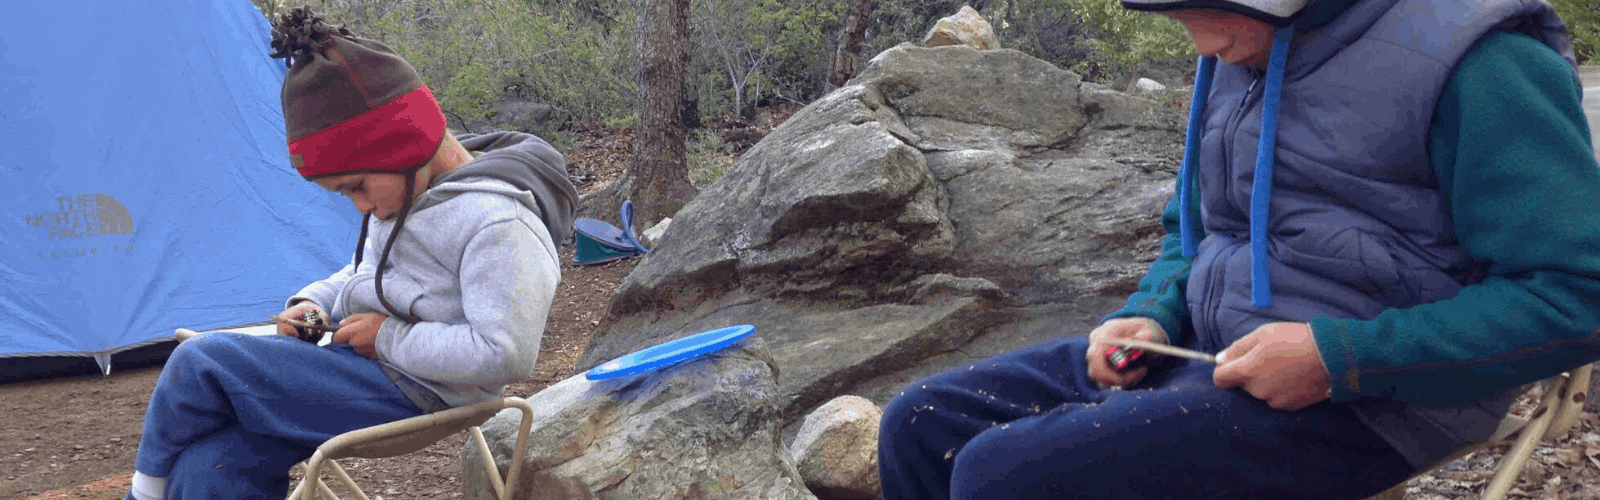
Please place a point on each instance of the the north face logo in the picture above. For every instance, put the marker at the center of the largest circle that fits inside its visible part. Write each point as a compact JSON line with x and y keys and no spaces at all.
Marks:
{"x":83,"y":216}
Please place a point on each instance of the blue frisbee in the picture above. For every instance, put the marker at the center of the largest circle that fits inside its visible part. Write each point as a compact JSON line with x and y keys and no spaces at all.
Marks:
{"x":671,"y":353}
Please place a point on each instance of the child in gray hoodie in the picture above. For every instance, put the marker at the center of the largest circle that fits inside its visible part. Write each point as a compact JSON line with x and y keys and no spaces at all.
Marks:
{"x":449,"y":313}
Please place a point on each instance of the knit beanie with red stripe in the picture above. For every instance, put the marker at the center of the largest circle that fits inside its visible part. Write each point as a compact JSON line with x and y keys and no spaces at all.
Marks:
{"x":351,"y":104}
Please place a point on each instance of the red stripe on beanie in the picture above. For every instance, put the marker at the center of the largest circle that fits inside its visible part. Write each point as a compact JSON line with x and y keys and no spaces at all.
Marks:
{"x":397,"y":136}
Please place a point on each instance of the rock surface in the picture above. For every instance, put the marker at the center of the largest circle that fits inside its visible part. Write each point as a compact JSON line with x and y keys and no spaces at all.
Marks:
{"x":836,"y":450}
{"x":946,"y":205}
{"x":704,"y":429}
{"x":510,"y":114}
{"x":964,"y":28}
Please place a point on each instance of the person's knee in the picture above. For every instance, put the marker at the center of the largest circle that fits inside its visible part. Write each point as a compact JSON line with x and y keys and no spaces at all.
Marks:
{"x":222,"y":345}
{"x":899,"y":423}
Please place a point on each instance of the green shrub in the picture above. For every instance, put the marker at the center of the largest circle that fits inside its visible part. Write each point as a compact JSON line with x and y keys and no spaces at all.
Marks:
{"x":708,"y":159}
{"x":1583,"y":19}
{"x":473,"y":53}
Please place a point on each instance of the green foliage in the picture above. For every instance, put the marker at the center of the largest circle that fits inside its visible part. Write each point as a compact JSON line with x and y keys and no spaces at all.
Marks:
{"x":749,"y":49}
{"x":578,"y":55}
{"x":473,"y":53}
{"x":1096,"y":38}
{"x":1583,"y":19}
{"x":620,"y":120}
{"x":708,"y":159}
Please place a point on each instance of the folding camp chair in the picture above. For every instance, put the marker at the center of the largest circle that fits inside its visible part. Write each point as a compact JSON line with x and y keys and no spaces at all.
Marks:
{"x":1557,"y":412}
{"x":403,"y":437}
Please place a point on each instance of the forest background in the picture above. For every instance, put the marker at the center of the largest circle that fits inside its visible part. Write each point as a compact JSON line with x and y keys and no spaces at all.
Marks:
{"x":580,"y":57}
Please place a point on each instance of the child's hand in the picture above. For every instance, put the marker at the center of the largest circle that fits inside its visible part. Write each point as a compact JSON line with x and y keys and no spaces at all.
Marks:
{"x":1120,"y":328}
{"x":295,"y":312}
{"x":361,"y":332}
{"x":1278,"y":363}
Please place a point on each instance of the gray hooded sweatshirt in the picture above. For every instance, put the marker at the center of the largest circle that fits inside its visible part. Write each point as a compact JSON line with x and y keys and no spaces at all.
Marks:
{"x":476,"y":262}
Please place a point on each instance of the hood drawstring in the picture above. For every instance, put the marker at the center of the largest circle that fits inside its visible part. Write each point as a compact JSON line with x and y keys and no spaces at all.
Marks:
{"x":383,"y":258}
{"x":1191,"y":149}
{"x":1261,"y":188}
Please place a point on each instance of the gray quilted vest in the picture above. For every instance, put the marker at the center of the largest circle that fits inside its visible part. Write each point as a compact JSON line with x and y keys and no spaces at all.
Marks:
{"x":1355,"y":221}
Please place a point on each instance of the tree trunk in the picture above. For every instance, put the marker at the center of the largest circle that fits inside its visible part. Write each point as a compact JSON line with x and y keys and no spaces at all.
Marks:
{"x":847,"y":58}
{"x":658,"y":173}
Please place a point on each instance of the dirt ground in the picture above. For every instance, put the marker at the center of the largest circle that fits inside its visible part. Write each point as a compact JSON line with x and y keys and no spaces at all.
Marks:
{"x":75,"y":438}
{"x":80,"y":434}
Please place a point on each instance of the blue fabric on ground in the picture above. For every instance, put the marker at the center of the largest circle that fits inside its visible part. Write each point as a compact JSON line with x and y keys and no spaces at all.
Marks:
{"x":1032,"y":424}
{"x":232,"y":413}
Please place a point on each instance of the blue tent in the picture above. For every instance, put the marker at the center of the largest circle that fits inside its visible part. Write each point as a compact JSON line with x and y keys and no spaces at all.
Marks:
{"x":147,"y":183}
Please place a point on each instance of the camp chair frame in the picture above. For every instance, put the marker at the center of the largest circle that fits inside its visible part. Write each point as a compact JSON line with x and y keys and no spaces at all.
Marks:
{"x":1556,"y":414}
{"x":410,"y":435}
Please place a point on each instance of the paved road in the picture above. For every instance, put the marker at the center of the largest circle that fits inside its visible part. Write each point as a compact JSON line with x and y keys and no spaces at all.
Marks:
{"x":1590,"y":75}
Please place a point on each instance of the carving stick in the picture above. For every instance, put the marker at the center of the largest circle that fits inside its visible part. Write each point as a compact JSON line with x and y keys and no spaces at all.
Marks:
{"x":1163,"y":349}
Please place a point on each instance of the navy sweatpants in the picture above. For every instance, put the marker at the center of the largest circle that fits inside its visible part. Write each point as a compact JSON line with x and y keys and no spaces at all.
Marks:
{"x":1031,"y":424}
{"x":232,"y":413}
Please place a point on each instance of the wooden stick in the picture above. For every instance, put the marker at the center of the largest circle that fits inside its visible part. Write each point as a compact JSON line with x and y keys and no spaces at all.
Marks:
{"x":1163,"y":349}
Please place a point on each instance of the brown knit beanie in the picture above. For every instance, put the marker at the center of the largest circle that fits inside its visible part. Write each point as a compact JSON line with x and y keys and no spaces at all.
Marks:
{"x":351,"y":104}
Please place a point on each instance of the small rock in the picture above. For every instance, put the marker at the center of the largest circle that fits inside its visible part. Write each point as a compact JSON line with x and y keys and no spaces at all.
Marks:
{"x":116,"y":440}
{"x":77,"y":447}
{"x":836,"y":449}
{"x":653,"y":235}
{"x":1569,"y":456}
{"x":1149,"y":85}
{"x":964,"y":28}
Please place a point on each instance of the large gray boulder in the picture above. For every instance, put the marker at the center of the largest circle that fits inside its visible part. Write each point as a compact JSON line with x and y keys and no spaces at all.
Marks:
{"x":707,"y":429}
{"x":947,"y":204}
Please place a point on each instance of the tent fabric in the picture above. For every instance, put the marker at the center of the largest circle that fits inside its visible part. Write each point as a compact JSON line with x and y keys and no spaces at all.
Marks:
{"x":147,"y":182}
{"x":597,"y":242}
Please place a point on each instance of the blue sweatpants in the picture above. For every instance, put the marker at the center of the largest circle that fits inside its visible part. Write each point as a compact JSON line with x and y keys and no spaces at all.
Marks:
{"x":232,"y":413}
{"x":1031,"y":424}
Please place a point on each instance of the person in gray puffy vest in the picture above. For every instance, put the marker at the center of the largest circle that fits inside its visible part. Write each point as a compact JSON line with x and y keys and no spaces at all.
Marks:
{"x":1383,"y":227}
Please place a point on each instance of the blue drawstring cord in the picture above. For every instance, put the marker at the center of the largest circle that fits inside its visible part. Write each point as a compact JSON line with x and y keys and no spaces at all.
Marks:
{"x":1261,"y":190}
{"x":1191,"y":149}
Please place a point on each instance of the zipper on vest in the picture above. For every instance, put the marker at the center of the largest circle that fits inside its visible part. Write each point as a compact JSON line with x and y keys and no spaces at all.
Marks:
{"x":1231,"y":128}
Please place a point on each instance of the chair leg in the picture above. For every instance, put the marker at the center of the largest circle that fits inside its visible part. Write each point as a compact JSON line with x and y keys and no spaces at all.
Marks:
{"x":1517,"y":457}
{"x":506,"y":489}
{"x":338,"y":471}
{"x":323,"y":488}
{"x":522,"y":444}
{"x":306,"y":490}
{"x":1571,"y":405}
{"x":488,"y":464}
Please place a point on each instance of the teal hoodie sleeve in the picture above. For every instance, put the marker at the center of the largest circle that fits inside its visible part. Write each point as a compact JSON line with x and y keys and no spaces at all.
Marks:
{"x":1511,"y":148}
{"x":1161,"y":292}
